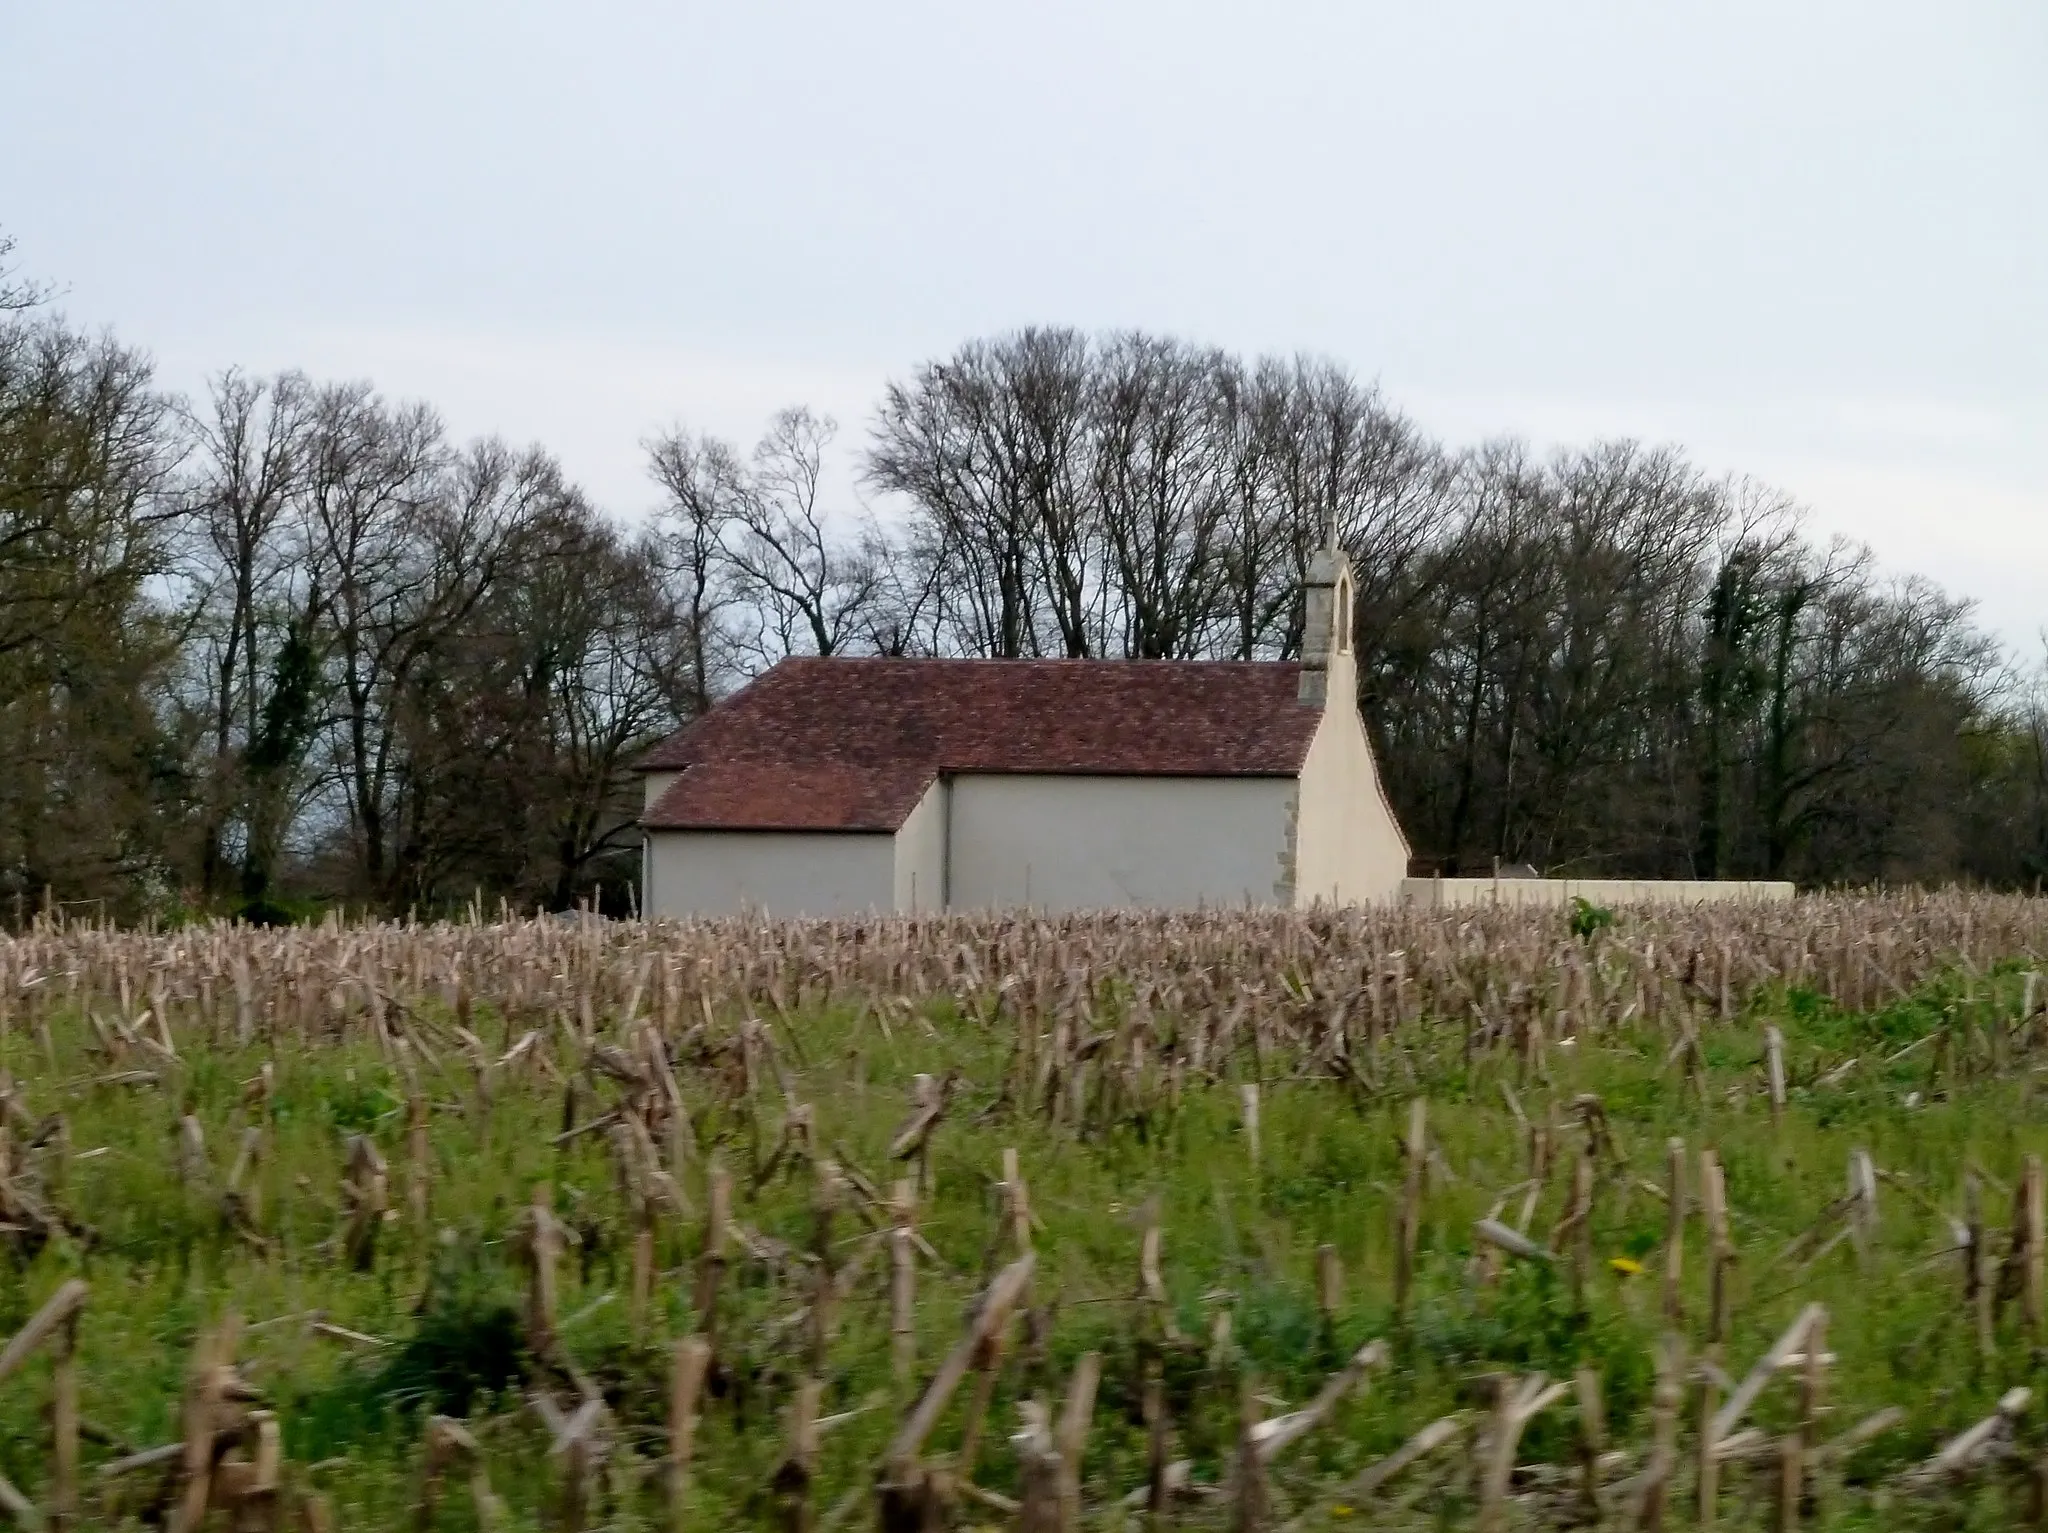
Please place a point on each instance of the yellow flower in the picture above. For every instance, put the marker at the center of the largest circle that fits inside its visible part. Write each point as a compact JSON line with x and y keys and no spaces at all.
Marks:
{"x":1341,"y":1510}
{"x":1626,"y":1266}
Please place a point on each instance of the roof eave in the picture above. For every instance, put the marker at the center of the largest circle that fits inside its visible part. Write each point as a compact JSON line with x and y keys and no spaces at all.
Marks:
{"x":772,"y":830}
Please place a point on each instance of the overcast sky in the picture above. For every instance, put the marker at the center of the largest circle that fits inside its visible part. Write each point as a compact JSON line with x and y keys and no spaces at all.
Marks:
{"x":1806,"y":241}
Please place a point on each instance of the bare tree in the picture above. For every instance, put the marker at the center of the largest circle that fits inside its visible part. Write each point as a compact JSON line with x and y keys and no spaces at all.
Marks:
{"x":614,"y":694}
{"x":1160,"y":470}
{"x":17,"y":293}
{"x":519,"y":725}
{"x":373,"y":482}
{"x":990,"y":448}
{"x":1630,"y":534}
{"x":247,"y":462}
{"x":810,"y":587}
{"x":703,"y":485}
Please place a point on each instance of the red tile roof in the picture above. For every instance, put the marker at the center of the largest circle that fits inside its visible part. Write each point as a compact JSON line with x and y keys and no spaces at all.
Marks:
{"x":841,"y":744}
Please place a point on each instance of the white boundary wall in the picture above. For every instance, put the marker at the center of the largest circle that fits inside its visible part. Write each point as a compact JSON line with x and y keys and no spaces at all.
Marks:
{"x":1450,"y":893}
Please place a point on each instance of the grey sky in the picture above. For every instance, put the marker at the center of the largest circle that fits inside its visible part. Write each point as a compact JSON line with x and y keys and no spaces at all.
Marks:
{"x":1805,"y":240}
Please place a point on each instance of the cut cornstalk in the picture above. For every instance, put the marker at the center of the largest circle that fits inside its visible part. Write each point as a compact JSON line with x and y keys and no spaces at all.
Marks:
{"x":902,"y":1282}
{"x":1789,"y":1341}
{"x":686,"y":1384}
{"x":913,"y":1140}
{"x":1581,"y":1220}
{"x":446,"y":1443}
{"x":1151,"y":1286}
{"x":1251,"y":1498}
{"x":205,"y":1394}
{"x":1871,"y":1427}
{"x":2034,"y":1275}
{"x":1791,"y":1475}
{"x":1592,"y":1440}
{"x":1016,"y":1203}
{"x":542,"y":1243}
{"x":1863,"y":1203}
{"x":64,"y":1423}
{"x":365,"y":1194}
{"x":16,"y":1505}
{"x":642,"y":1290}
{"x":1665,"y":1400}
{"x":1158,"y":1492}
{"x":1720,"y":1249}
{"x":241,"y":1199}
{"x":1070,"y":1437}
{"x":1812,"y":1393}
{"x":717,"y":1228}
{"x":1439,"y":1434}
{"x":1978,"y":1279}
{"x":1709,"y":1458}
{"x":57,"y":1310}
{"x":1329,"y":1286}
{"x":418,"y":1163}
{"x":1721,"y":1255}
{"x":908,"y":1495}
{"x":988,"y":1363}
{"x":826,"y":1196}
{"x":792,"y":1483}
{"x":1513,"y":1241}
{"x":1517,"y":1402}
{"x":1411,"y":1204}
{"x":1038,"y":1472}
{"x":1674,"y":1230}
{"x":1272,"y":1438}
{"x":1968,"y":1448}
{"x":192,"y":1170}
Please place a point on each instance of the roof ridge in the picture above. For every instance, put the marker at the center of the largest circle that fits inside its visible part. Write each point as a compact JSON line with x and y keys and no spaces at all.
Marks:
{"x":1161,"y":662}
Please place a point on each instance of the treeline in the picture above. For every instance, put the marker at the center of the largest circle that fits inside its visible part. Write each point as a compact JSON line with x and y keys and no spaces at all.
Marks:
{"x":289,"y":640}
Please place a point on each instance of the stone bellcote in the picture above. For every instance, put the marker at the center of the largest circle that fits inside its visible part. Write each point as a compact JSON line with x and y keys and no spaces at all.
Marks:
{"x":1326,"y":629}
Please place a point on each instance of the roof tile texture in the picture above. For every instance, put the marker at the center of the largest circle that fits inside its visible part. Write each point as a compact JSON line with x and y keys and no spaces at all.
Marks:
{"x":839,"y":744}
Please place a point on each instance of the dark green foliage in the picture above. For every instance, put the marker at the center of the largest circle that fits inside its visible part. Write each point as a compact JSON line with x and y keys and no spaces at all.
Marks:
{"x":353,"y":1105}
{"x":259,"y":911}
{"x":466,"y":1349}
{"x":1588,"y":918}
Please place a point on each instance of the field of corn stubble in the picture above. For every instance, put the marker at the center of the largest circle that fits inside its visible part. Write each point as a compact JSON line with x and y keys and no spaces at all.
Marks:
{"x":1481,"y":1219}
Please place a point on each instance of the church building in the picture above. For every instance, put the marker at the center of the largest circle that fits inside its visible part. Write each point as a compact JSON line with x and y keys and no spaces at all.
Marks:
{"x":841,"y":786}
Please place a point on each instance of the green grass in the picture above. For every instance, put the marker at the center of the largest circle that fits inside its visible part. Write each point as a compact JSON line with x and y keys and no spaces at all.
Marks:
{"x":1236,"y":1239}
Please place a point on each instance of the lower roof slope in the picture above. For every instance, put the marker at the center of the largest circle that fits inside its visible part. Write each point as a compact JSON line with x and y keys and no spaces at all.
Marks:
{"x":839,"y":744}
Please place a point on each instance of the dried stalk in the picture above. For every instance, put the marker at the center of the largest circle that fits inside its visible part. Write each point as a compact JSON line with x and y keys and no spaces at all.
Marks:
{"x":1411,"y":1204}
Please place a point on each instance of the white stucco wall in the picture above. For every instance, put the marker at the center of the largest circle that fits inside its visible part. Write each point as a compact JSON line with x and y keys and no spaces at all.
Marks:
{"x":1348,"y":847}
{"x":1072,"y":843}
{"x":692,"y":872}
{"x":921,"y":853}
{"x":657,"y":784}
